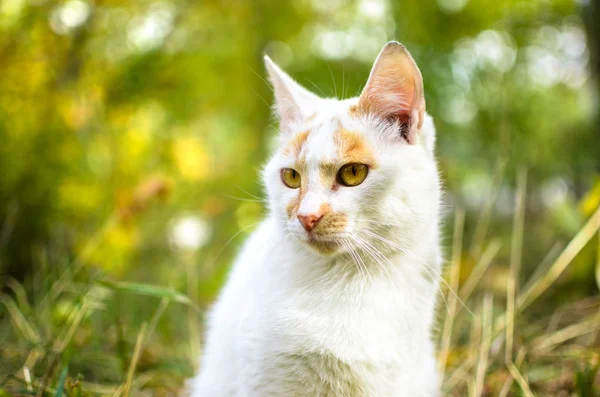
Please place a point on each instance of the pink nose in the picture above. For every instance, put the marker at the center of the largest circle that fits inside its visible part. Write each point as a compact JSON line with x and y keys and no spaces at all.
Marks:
{"x":309,"y":221}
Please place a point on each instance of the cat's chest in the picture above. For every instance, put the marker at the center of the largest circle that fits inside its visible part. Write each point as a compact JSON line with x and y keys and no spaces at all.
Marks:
{"x":353,"y":324}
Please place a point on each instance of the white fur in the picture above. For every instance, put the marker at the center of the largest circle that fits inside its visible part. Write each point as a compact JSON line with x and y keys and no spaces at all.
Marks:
{"x":294,"y":322}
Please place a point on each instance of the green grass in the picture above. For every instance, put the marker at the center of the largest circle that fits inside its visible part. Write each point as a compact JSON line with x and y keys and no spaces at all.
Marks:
{"x":73,"y":332}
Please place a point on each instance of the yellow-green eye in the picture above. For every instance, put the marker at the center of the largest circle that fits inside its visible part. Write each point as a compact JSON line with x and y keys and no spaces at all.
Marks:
{"x":290,"y":177}
{"x":352,"y":174}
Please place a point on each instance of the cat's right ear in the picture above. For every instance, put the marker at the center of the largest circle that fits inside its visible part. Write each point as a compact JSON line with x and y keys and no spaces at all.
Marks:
{"x":292,"y":101}
{"x":394,"y":90}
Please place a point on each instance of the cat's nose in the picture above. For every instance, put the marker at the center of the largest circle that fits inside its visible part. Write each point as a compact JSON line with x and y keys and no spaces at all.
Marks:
{"x":309,"y":221}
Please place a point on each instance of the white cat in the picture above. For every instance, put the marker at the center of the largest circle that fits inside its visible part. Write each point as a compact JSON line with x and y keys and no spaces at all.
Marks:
{"x":334,"y":293}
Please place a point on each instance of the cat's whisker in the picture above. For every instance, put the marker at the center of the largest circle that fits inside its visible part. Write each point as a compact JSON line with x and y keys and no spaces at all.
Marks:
{"x":343,"y":81}
{"x":318,"y":88}
{"x":263,"y":79}
{"x":409,"y":222}
{"x":423,"y":262}
{"x":232,"y":238}
{"x":332,"y":79}
{"x":359,"y":262}
{"x":345,"y":254}
{"x":438,"y":287}
{"x":260,"y":97}
{"x":250,"y":194}
{"x":348,"y":261}
{"x":291,"y":238}
{"x":245,"y":199}
{"x":373,"y":221}
{"x":392,"y":266}
{"x":372,"y":251}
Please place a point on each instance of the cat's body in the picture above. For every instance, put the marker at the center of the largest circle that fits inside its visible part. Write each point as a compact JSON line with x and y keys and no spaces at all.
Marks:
{"x":334,"y":294}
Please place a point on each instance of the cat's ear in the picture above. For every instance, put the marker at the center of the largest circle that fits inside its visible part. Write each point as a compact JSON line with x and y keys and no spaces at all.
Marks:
{"x":394,"y":90}
{"x":292,"y":101}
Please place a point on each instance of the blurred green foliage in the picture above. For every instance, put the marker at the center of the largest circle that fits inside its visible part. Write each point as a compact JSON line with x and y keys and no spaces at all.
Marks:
{"x":132,"y":134}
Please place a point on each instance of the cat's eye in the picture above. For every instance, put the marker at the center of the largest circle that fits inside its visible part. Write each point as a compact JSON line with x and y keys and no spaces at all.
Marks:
{"x":352,"y":174}
{"x":290,"y":177}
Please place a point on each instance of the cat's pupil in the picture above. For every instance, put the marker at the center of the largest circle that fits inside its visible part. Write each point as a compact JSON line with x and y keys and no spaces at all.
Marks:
{"x":354,"y":170}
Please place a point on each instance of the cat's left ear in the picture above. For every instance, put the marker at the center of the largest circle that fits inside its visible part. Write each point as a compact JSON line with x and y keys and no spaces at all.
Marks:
{"x":394,"y":90}
{"x":292,"y":101}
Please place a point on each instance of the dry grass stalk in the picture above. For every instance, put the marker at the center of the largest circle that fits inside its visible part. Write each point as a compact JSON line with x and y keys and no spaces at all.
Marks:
{"x":452,"y":295}
{"x":562,"y":262}
{"x":134,"y":360}
{"x":486,"y":339}
{"x":515,"y":262}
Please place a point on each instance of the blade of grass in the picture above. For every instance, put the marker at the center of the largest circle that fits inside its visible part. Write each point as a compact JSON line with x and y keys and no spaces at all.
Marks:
{"x":564,"y":259}
{"x":32,"y":384}
{"x":62,"y":343}
{"x":459,"y":219}
{"x":545,"y":342}
{"x":80,"y":260}
{"x":160,"y":309}
{"x":544,"y":265}
{"x":60,"y":388}
{"x":150,"y":290}
{"x":515,"y":261}
{"x":514,"y":371}
{"x":538,"y":287}
{"x":192,"y":318}
{"x":27,"y":376}
{"x":473,"y":351}
{"x":98,"y":388}
{"x":486,"y":337}
{"x":462,"y":371}
{"x":134,"y":360}
{"x":482,"y":264}
{"x":29,"y":332}
{"x":20,"y":295}
{"x":510,"y":379}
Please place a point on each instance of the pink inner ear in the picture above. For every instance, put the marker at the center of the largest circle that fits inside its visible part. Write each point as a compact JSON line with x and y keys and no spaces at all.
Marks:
{"x":390,"y":97}
{"x":393,"y":100}
{"x":394,"y":91}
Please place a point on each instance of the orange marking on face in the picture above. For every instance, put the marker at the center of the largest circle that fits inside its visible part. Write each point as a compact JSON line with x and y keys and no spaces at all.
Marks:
{"x":294,"y":204}
{"x":325,"y":209}
{"x":355,"y":111}
{"x":327,"y":172}
{"x":295,"y":145}
{"x":352,"y":148}
{"x":331,"y":224}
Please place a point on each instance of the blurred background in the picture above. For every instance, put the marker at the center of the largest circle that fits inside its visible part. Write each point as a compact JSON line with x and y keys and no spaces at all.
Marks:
{"x":132,"y":134}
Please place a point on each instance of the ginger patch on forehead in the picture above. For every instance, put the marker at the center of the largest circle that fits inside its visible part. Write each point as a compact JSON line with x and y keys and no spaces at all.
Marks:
{"x":296,"y":143}
{"x":353,"y":148}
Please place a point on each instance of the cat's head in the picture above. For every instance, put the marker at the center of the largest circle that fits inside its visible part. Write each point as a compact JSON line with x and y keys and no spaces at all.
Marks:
{"x":351,"y":174}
